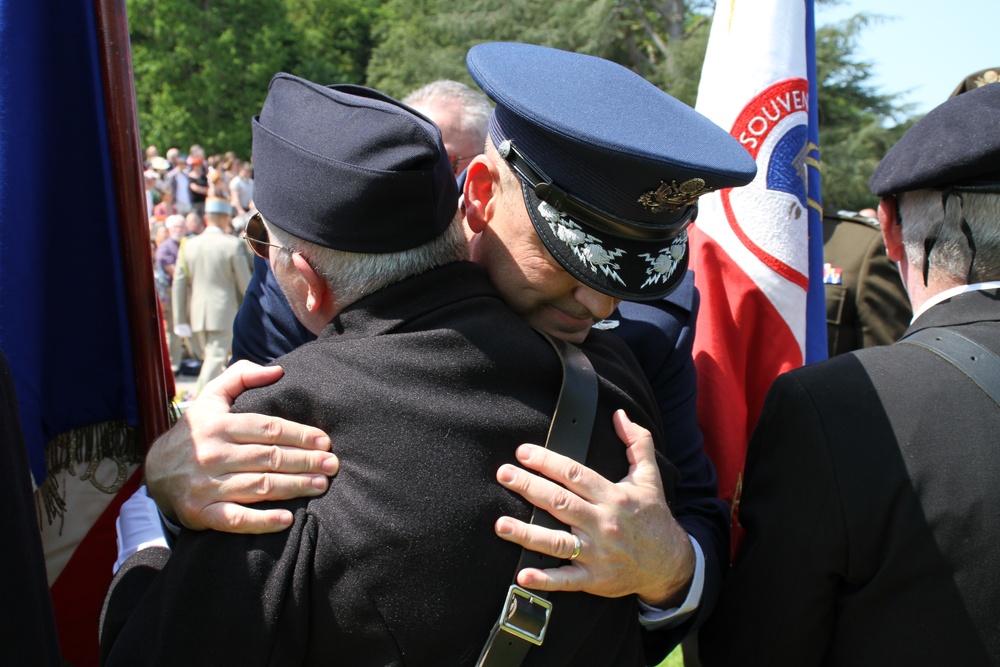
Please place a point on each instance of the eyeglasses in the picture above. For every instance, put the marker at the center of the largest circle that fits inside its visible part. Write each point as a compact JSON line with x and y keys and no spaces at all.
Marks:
{"x":455,"y":161}
{"x":256,"y":236}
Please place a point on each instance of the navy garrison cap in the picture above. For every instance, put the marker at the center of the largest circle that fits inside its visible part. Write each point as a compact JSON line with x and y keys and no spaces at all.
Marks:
{"x":955,"y":146}
{"x":349,"y":168}
{"x":611,"y":166}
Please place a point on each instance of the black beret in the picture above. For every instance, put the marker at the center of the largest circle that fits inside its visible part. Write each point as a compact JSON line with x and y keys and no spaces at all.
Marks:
{"x":956,"y":145}
{"x":349,"y":168}
{"x":610,"y":165}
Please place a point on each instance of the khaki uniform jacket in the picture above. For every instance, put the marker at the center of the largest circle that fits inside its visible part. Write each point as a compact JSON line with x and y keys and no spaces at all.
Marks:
{"x":209,"y":282}
{"x":866,"y":303}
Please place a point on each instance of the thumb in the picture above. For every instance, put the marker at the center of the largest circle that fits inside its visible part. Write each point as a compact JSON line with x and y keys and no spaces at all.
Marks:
{"x":238,"y":378}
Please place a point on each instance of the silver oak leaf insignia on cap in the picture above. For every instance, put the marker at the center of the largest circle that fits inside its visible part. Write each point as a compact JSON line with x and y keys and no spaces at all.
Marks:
{"x":587,"y":248}
{"x":663,"y":265}
{"x":671,"y":196}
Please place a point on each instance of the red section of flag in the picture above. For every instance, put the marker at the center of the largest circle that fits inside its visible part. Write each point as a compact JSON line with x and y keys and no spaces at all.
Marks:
{"x":78,"y":593}
{"x":742,"y":345}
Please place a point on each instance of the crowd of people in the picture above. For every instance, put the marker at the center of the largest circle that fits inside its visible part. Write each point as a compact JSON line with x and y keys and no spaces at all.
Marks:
{"x":188,"y":195}
{"x":870,"y":533}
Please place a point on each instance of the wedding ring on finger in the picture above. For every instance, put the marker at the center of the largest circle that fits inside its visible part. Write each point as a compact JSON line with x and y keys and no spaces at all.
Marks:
{"x":576,"y":547}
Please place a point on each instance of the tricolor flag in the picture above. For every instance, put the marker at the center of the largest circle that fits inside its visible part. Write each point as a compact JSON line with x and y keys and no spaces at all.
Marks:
{"x":78,"y":314}
{"x":757,"y":251}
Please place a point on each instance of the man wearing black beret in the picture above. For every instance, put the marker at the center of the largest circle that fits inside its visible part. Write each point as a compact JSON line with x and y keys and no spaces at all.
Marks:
{"x":871,"y":499}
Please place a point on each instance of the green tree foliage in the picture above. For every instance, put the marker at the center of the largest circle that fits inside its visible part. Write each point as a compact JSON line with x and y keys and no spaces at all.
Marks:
{"x":665,"y":42}
{"x":422,"y":40}
{"x":331,"y":39}
{"x":202,"y":66}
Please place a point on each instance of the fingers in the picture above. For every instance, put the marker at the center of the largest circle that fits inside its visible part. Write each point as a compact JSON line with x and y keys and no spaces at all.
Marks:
{"x":254,"y":487}
{"x":232,"y":518}
{"x":575,"y":476}
{"x":240,"y":376}
{"x":556,"y":543}
{"x":575,"y":576}
{"x":211,"y":502}
{"x":565,"y":578}
{"x":264,"y":430}
{"x":558,"y":501}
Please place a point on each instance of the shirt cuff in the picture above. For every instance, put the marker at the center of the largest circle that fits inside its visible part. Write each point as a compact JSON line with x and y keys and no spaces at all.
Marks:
{"x":138,"y":526}
{"x":652,"y":618}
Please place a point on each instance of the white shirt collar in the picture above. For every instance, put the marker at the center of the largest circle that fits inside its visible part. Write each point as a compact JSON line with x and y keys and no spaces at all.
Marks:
{"x":954,"y":291}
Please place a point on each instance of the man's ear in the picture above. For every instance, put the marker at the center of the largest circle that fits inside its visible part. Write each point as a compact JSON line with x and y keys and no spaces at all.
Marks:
{"x":481,"y":194}
{"x":892,"y":231}
{"x":319,"y":296}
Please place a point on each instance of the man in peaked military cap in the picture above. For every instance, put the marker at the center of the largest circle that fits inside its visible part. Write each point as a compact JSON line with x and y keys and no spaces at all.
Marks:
{"x":425,"y":382}
{"x":872,"y":496}
{"x":588,"y":204}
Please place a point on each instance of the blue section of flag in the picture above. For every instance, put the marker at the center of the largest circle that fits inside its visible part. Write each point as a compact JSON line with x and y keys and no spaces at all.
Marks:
{"x":63,"y":324}
{"x":816,"y":347}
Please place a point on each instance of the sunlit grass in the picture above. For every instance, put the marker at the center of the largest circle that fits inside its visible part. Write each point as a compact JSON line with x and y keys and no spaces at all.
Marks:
{"x":675,"y":659}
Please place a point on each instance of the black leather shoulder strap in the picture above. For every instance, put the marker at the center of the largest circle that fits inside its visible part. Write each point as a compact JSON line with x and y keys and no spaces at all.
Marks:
{"x":975,"y":361}
{"x":525,"y":614}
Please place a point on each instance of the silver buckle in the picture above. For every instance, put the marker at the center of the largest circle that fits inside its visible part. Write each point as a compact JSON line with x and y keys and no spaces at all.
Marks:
{"x":522,"y":608}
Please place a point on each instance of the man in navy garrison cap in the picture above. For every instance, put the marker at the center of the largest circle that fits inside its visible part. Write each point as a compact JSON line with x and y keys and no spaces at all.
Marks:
{"x":871,"y":498}
{"x":425,"y":382}
{"x":599,"y":178}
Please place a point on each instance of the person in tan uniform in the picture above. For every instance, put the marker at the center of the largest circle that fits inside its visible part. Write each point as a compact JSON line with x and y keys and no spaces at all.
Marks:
{"x":209,"y":289}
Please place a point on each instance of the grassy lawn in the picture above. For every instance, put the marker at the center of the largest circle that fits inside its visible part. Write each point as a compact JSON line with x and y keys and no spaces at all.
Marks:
{"x":675,"y":659}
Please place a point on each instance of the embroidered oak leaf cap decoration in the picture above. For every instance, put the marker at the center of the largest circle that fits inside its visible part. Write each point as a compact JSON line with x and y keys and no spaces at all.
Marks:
{"x":611,"y":167}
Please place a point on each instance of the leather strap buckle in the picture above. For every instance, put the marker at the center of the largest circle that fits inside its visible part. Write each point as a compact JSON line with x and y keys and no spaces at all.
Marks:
{"x":525,"y":615}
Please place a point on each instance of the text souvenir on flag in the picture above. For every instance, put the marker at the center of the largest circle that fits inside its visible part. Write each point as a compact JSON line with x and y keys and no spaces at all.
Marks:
{"x":756,"y":251}
{"x":78,"y":318}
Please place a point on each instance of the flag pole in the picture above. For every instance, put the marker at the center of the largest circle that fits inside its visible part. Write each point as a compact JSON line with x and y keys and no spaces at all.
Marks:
{"x":123,"y":134}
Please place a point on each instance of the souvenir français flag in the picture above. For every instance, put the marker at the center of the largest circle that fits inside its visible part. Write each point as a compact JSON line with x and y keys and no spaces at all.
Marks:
{"x":757,"y":251}
{"x":78,"y":316}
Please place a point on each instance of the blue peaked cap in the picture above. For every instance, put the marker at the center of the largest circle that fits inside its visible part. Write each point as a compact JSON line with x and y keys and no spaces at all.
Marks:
{"x":611,"y":166}
{"x":349,"y":168}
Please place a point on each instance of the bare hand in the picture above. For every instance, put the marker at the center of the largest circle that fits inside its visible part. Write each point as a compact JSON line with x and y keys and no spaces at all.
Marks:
{"x":211,"y":460}
{"x":631,"y":542}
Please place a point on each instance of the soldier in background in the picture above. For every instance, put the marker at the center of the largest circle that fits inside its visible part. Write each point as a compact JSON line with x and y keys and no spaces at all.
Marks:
{"x":866,"y":304}
{"x":865,"y":301}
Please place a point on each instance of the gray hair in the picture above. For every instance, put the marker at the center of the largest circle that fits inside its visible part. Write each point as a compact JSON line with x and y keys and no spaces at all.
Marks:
{"x":353,"y":275}
{"x":923,"y":216}
{"x":476,"y":108}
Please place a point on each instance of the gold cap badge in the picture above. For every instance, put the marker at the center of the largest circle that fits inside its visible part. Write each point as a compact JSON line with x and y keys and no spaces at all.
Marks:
{"x":671,"y":196}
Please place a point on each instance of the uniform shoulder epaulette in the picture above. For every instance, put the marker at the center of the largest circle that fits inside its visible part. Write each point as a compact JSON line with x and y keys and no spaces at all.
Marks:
{"x":851,"y":216}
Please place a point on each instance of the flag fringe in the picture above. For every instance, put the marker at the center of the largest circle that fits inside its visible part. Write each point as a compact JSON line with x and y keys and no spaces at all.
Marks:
{"x":87,"y":446}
